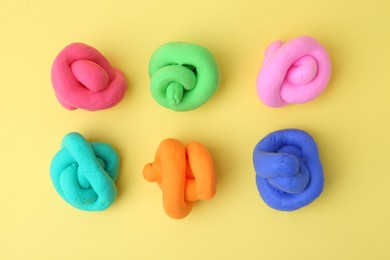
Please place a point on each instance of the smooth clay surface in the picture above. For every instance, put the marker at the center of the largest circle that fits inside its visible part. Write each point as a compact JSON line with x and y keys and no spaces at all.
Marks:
{"x":293,"y":72}
{"x":185,"y":174}
{"x":83,"y":78}
{"x":183,"y":75}
{"x":288,"y":169}
{"x":84,"y":173}
{"x":349,"y":122}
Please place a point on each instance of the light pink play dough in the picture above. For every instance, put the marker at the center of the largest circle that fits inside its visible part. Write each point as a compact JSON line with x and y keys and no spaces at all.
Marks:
{"x":83,"y":78}
{"x":293,"y":72}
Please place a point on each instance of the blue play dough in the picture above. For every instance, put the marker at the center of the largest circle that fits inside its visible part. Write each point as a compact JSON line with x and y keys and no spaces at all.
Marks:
{"x":84,"y":173}
{"x":288,"y":169}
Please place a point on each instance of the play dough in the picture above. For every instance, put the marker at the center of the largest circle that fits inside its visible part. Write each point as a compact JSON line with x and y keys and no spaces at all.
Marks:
{"x":84,"y":173}
{"x":293,"y":72}
{"x":183,"y":75}
{"x":83,"y":78}
{"x":184,"y":173}
{"x":288,"y":169}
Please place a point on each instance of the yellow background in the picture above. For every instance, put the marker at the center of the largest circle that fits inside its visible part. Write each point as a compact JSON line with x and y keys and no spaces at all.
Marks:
{"x":350,"y":122}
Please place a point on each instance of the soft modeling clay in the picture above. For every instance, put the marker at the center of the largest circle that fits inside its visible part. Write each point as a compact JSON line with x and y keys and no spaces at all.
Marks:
{"x":183,"y":75}
{"x":293,"y":72}
{"x":185,"y":175}
{"x":288,"y":169}
{"x":84,"y":173}
{"x":83,"y":78}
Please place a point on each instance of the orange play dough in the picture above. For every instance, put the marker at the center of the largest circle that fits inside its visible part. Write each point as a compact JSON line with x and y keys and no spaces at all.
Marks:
{"x":185,"y":174}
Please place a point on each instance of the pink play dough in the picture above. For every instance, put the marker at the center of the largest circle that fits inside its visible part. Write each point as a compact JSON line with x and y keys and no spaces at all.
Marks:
{"x":83,"y":78}
{"x":293,"y":72}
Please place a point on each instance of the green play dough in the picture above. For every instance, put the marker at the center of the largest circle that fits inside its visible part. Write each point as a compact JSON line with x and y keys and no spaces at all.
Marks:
{"x":183,"y":75}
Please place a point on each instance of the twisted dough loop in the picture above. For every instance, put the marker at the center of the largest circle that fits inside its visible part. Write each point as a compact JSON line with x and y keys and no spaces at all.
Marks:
{"x":84,"y":173}
{"x":293,"y":72}
{"x":288,"y":169}
{"x":183,"y":75}
{"x":185,"y":175}
{"x":83,"y":78}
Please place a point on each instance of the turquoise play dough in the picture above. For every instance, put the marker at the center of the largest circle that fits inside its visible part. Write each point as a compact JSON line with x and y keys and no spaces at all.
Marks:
{"x":84,"y":173}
